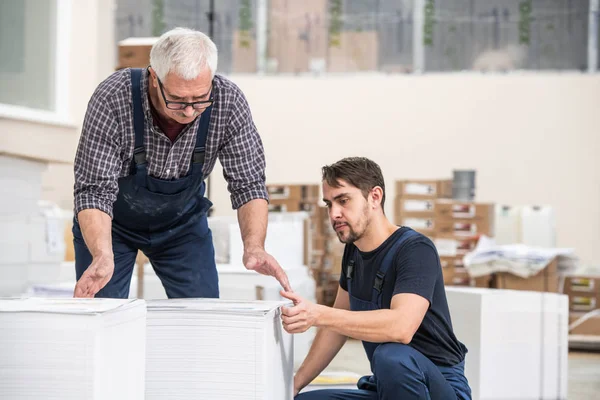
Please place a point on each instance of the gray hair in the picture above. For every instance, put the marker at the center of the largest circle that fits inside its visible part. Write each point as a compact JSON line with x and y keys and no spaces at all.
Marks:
{"x":183,"y":51}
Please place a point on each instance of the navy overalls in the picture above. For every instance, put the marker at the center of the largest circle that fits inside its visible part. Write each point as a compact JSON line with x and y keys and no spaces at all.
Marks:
{"x":165,"y":219}
{"x":399,"y":371}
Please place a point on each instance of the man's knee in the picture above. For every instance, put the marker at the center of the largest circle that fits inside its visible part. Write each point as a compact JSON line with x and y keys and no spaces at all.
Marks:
{"x":395,"y":360}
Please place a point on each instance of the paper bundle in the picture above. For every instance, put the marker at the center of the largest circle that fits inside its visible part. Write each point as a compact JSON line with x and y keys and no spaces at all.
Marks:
{"x":518,"y":259}
{"x":72,"y":349}
{"x":217,"y":349}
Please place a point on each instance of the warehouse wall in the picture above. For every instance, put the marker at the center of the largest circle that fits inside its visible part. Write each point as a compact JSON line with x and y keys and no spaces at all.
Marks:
{"x":92,"y":59}
{"x":533,"y":139}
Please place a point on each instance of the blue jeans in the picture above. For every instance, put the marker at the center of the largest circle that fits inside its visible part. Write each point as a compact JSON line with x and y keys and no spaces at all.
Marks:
{"x":402,"y":373}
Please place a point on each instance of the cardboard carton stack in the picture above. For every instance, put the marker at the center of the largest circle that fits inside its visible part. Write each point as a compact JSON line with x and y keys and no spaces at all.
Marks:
{"x":135,"y":52}
{"x":458,"y":226}
{"x":584,"y":296}
{"x":292,"y":197}
{"x":546,"y":280}
{"x":322,"y":249}
{"x":414,"y":204}
{"x":325,"y":256}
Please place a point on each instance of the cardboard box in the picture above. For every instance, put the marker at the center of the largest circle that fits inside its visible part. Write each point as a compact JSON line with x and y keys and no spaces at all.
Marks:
{"x":456,"y":261}
{"x":424,"y":189}
{"x":424,"y":225}
{"x":584,"y":303}
{"x":452,"y":246}
{"x":582,"y":284}
{"x":414,"y":208}
{"x":135,"y":52}
{"x":319,"y":243}
{"x":547,"y":280}
{"x":332,"y":263}
{"x":291,"y":205}
{"x":589,"y":326}
{"x":583,"y":292}
{"x":308,"y":237}
{"x":294,"y":192}
{"x":450,"y":209}
{"x":482,"y":281}
{"x":464,"y":227}
{"x":454,"y":276}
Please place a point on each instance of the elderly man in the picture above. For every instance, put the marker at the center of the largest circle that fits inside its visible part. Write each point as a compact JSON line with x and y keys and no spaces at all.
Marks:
{"x":391,"y":296}
{"x":150,"y":138}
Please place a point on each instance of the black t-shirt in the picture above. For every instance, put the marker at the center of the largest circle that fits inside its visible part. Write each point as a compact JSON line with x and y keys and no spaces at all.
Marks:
{"x":416,"y":269}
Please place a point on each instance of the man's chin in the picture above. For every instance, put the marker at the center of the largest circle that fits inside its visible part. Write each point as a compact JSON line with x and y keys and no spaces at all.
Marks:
{"x":184,"y":120}
{"x":346,"y":239}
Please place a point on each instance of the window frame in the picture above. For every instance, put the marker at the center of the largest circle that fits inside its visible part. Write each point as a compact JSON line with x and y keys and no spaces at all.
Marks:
{"x":60,"y":115}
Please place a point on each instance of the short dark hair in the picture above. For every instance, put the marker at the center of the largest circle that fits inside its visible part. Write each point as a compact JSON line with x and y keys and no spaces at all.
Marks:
{"x":357,"y":171}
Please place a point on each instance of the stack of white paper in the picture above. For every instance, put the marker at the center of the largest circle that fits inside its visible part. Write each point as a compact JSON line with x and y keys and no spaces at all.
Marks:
{"x":518,"y":259}
{"x":217,"y":349}
{"x":72,"y":349}
{"x":238,"y":283}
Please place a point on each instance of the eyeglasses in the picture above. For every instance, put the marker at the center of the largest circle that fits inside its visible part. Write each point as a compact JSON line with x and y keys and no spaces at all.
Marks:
{"x":181,"y":105}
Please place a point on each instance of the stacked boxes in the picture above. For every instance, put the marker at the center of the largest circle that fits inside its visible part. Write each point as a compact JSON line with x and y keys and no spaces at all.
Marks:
{"x":458,"y":226}
{"x":584,"y":296}
{"x":292,"y":198}
{"x":322,"y":250}
{"x":326,"y":256}
{"x":546,"y":280}
{"x":414,"y":204}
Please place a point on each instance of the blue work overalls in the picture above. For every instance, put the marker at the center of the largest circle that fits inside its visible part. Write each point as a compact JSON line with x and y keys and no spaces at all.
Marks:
{"x":399,"y":371}
{"x":166,"y":219}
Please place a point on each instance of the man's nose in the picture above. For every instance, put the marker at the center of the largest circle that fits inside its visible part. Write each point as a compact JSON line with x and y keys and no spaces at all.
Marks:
{"x":189,"y":111}
{"x":335,"y":212}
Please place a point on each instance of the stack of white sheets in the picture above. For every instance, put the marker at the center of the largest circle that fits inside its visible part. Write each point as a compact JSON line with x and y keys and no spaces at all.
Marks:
{"x":217,"y":349}
{"x":72,"y":349}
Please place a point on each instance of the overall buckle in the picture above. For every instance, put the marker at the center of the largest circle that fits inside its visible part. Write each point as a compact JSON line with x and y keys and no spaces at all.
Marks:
{"x":378,"y":281}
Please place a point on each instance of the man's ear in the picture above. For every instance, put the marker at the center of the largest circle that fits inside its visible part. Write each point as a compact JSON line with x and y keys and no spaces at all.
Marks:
{"x":376,"y":196}
{"x":153,"y":77}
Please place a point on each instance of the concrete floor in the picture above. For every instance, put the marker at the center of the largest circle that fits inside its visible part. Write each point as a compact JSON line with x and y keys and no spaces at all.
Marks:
{"x":584,"y":369}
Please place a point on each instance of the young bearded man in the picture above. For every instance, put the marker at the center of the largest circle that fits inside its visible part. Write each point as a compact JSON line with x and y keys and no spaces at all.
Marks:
{"x":391,"y":297}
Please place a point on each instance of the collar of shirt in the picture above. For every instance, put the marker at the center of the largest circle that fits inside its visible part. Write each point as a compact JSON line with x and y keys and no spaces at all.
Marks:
{"x":148,"y":112}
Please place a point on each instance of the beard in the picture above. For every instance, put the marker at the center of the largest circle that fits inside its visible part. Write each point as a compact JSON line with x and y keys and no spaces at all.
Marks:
{"x":351,"y":237}
{"x":355,"y":234}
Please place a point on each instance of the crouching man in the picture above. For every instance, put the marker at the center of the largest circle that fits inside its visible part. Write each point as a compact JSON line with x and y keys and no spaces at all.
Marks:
{"x":391,"y":297}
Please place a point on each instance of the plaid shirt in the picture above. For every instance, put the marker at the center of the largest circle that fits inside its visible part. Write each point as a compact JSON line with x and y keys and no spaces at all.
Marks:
{"x":107,"y":141}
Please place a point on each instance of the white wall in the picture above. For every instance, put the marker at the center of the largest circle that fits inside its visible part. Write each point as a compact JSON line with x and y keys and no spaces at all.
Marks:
{"x":533,"y":139}
{"x":92,"y":59}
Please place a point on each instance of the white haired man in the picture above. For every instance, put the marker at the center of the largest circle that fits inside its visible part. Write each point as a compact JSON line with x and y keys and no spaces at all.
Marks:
{"x":149,"y":140}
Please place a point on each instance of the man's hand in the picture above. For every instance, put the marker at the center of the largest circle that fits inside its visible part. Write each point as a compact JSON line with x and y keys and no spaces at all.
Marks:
{"x":262,"y":262}
{"x":95,"y":277}
{"x":301,"y":316}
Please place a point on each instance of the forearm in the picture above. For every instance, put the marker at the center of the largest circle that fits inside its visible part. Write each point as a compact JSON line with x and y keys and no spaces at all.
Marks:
{"x":378,"y":326}
{"x":326,"y":345}
{"x":96,"y":228}
{"x":253,"y":217}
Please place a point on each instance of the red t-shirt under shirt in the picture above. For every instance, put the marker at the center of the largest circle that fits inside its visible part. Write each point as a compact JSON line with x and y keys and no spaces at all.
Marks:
{"x":169,"y":127}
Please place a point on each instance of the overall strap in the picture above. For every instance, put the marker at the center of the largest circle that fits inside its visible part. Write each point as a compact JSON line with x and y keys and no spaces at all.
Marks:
{"x":201,"y":135}
{"x":388,"y":261}
{"x":350,"y":269}
{"x":139,"y":154}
